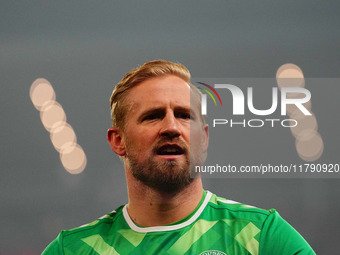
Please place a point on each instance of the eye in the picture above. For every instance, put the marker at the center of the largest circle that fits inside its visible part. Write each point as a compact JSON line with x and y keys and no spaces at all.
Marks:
{"x":183,"y":115}
{"x":152,"y":116}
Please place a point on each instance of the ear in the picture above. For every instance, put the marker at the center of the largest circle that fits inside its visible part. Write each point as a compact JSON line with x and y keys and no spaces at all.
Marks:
{"x":206,"y":137}
{"x":115,"y":140}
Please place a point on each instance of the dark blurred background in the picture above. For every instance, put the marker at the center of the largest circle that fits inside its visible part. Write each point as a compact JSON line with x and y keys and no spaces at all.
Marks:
{"x":84,"y":47}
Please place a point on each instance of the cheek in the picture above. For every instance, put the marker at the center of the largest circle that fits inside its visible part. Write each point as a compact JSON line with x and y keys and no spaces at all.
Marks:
{"x":199,"y":137}
{"x":196,"y":138}
{"x":140,"y":142}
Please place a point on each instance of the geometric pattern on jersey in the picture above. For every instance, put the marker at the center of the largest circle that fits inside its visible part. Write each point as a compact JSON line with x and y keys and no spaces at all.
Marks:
{"x":216,"y":225}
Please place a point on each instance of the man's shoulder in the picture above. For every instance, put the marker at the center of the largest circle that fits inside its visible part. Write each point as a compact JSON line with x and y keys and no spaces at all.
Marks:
{"x":95,"y":226}
{"x":75,"y":238}
{"x":80,"y":239}
{"x":266,"y":228}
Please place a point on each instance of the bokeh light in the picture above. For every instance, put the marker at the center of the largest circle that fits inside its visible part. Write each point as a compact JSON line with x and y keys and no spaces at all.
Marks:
{"x":52,"y":115}
{"x":53,"y":118}
{"x":290,"y":75}
{"x":41,"y":91}
{"x":304,"y":123}
{"x":289,"y":70}
{"x":292,"y":109}
{"x":62,"y":135}
{"x":309,"y":145}
{"x":73,"y":159}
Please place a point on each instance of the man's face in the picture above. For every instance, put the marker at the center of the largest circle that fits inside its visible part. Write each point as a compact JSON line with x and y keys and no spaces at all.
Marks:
{"x":157,"y":133}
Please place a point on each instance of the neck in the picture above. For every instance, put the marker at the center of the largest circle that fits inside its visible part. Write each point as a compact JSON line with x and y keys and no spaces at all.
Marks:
{"x":148,"y":207}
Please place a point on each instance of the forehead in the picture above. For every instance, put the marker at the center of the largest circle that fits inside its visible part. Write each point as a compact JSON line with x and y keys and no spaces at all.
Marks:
{"x":160,"y":90}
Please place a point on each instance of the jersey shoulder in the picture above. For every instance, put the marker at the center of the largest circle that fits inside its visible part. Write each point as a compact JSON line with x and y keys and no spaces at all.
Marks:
{"x":235,"y":207}
{"x":269,"y":232}
{"x":95,"y":226}
{"x":77,"y":240}
{"x":237,"y":215}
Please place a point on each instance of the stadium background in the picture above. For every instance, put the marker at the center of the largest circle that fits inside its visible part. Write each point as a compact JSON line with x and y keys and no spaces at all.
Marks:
{"x":84,"y":47}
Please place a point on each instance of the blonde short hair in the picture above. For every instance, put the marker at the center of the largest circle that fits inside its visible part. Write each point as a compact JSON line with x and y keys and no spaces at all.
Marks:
{"x":142,"y":73}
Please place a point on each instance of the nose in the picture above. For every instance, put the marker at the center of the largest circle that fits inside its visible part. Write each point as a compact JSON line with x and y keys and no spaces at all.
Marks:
{"x":170,"y":126}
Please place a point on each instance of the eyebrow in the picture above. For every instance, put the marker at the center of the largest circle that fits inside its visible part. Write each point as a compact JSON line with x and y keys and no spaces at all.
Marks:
{"x":183,"y":109}
{"x":154,"y":110}
{"x":161,"y":110}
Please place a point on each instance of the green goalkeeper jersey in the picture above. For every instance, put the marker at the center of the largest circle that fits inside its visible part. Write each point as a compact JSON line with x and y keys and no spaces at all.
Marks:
{"x":217,"y":226}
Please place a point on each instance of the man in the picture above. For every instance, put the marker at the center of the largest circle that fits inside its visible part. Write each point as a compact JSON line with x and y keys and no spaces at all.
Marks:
{"x":159,"y":133}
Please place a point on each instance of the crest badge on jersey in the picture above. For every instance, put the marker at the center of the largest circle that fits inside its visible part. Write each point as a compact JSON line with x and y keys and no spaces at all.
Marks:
{"x":213,"y":252}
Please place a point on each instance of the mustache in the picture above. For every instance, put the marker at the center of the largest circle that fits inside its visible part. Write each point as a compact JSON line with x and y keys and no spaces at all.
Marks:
{"x":175,"y":141}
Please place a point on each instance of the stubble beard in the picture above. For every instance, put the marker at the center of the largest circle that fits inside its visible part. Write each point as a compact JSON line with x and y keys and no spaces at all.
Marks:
{"x":168,"y":176}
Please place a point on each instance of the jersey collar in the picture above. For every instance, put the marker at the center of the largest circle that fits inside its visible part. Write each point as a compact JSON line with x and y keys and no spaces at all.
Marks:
{"x":193,"y":218}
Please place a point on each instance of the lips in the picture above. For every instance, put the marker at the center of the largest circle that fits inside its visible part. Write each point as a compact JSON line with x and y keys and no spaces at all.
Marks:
{"x":170,"y":149}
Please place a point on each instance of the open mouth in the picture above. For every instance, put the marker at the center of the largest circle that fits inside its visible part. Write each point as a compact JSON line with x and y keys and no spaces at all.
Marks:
{"x":170,"y":149}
